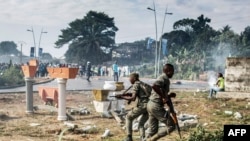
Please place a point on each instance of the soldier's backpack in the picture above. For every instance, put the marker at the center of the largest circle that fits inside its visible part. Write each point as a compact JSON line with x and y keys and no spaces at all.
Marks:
{"x":146,"y":88}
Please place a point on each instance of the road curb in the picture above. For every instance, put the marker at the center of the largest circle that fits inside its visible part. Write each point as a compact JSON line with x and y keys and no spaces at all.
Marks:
{"x":16,"y":86}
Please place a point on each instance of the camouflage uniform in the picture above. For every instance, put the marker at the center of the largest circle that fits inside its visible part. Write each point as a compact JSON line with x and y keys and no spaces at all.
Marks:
{"x":157,"y":112}
{"x":140,"y":109}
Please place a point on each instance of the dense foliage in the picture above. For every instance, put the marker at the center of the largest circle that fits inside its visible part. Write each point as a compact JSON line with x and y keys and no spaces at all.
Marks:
{"x":12,"y":76}
{"x":8,"y":48}
{"x":193,"y":45}
{"x":200,"y":134}
{"x":89,"y":39}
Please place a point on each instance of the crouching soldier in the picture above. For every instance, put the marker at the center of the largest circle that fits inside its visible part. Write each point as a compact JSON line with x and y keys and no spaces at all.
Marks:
{"x":141,"y":91}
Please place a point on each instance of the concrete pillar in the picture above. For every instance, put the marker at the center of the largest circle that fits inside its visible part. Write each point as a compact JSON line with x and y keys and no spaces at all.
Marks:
{"x":62,"y":99}
{"x":29,"y":95}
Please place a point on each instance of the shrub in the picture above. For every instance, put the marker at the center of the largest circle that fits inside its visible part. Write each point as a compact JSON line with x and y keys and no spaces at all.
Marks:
{"x":12,"y":76}
{"x":200,"y":134}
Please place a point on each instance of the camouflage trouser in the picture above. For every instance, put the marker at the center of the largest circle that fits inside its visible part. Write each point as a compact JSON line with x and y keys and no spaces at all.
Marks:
{"x":157,"y":114}
{"x":134,"y":113}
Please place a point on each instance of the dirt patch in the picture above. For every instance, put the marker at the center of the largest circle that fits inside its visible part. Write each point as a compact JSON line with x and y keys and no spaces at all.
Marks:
{"x":43,"y":125}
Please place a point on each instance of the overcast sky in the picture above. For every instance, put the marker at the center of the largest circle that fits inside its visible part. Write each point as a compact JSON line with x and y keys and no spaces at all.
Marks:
{"x":132,"y":18}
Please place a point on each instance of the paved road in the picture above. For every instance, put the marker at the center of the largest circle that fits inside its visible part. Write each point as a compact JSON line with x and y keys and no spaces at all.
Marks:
{"x":80,"y":83}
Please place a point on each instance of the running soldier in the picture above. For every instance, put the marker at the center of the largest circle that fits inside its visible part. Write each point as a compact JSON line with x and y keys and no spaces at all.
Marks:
{"x":142,"y":93}
{"x":157,"y":112}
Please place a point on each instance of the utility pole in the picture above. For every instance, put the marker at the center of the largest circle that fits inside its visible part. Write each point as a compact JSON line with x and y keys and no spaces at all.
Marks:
{"x":156,"y":45}
{"x":31,"y":30}
{"x":21,"y":54}
{"x":159,"y":55}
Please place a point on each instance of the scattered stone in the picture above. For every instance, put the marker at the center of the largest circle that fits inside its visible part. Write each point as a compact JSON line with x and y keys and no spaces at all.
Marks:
{"x":223,"y":105}
{"x":84,"y":135}
{"x":183,"y":117}
{"x":205,"y":124}
{"x":89,"y":129}
{"x":70,"y":125}
{"x":237,"y":115}
{"x":35,"y":124}
{"x":106,"y":114}
{"x":105,"y":134}
{"x":190,"y":123}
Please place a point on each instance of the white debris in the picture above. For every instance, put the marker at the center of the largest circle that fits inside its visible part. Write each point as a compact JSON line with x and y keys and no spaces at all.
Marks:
{"x":88,"y":128}
{"x":205,"y":124}
{"x":187,"y":120}
{"x":237,"y":115}
{"x":223,"y":105}
{"x":70,"y":125}
{"x":228,"y":112}
{"x":183,"y":117}
{"x":35,"y":124}
{"x":106,"y":133}
{"x":106,"y":114}
{"x":190,"y":123}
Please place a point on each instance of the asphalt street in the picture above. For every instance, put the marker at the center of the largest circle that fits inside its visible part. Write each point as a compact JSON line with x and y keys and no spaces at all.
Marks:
{"x":81,"y":84}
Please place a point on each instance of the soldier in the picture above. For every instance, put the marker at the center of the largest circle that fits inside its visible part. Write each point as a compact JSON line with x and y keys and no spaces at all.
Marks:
{"x":139,"y":91}
{"x":156,"y":108}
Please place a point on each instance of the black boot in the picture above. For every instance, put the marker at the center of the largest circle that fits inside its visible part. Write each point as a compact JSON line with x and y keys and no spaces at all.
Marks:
{"x":128,"y":138}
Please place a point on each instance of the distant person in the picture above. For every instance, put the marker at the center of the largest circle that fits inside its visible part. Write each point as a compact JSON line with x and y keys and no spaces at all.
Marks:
{"x":88,"y":70}
{"x":218,"y":86}
{"x":81,"y":70}
{"x":116,"y":71}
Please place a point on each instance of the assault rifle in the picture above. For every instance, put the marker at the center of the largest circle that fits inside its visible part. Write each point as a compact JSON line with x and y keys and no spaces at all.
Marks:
{"x":124,"y":94}
{"x":172,"y":112}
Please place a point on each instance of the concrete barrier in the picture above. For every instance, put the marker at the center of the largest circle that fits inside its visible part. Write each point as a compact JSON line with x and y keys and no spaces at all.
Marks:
{"x":238,"y":95}
{"x":49,"y":94}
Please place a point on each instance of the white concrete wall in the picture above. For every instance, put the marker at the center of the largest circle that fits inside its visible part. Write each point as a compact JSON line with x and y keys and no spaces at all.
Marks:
{"x":237,"y":74}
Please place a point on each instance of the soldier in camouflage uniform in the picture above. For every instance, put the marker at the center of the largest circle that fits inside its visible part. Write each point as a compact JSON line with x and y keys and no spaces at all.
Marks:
{"x":140,"y":109}
{"x":157,"y":112}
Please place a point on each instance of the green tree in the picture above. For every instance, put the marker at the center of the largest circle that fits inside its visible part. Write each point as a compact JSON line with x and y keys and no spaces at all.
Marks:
{"x":134,"y":53}
{"x":8,"y":47}
{"x":245,"y":42}
{"x":12,"y":76}
{"x":89,"y":39}
{"x":46,"y":56}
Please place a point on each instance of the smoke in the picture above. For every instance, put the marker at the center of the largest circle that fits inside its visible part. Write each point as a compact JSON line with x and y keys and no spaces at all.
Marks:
{"x":212,"y":78}
{"x":219,"y":56}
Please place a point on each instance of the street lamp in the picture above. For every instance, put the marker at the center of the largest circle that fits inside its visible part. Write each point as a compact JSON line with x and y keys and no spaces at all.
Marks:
{"x":156,"y":46}
{"x":42,"y":32}
{"x":159,"y":56}
{"x":31,"y":30}
{"x":21,"y":55}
